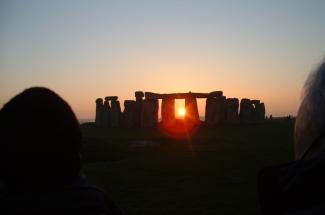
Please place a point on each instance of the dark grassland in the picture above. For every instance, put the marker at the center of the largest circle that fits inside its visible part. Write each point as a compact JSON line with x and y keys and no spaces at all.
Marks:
{"x":214,"y":172}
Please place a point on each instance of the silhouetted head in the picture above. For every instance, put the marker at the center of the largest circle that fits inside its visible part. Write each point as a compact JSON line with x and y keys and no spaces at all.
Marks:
{"x":310,"y":122}
{"x":40,"y":141}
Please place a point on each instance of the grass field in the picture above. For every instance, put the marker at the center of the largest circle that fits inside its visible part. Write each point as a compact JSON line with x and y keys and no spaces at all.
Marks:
{"x":214,"y":172}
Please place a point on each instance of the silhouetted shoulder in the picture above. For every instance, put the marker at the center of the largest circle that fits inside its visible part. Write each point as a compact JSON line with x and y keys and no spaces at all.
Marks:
{"x":80,"y":198}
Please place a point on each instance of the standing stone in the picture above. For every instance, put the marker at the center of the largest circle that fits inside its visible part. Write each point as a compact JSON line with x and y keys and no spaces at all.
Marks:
{"x":99,"y":112}
{"x":168,"y":111}
{"x":129,"y":113}
{"x":262,"y":112}
{"x":221,"y":110}
{"x":138,"y":107}
{"x":192,"y":112}
{"x":115,"y":113}
{"x":246,"y":111}
{"x":232,"y":105}
{"x":215,"y":110}
{"x":106,"y":113}
{"x":210,"y":111}
{"x":259,"y":114}
{"x":255,"y":104}
{"x":149,"y":116}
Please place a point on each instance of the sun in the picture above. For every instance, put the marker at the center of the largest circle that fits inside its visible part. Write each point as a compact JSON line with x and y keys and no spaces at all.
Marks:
{"x":181,"y":112}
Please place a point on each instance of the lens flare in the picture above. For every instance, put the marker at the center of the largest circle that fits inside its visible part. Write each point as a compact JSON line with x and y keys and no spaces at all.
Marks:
{"x":181,"y":112}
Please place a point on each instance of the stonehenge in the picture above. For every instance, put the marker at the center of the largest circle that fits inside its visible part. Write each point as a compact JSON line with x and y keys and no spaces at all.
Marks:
{"x":128,"y":116}
{"x":251,"y":111}
{"x":99,"y":112}
{"x":232,"y":115}
{"x":167,"y":111}
{"x":144,"y":110}
{"x":138,"y":107}
{"x":149,"y":114}
{"x":246,"y":111}
{"x":259,"y":110}
{"x":115,"y":113}
{"x":108,"y":113}
{"x":192,"y":112}
{"x":215,"y":110}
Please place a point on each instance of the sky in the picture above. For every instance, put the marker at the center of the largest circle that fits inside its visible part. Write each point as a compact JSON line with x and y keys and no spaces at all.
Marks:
{"x":82,"y":49}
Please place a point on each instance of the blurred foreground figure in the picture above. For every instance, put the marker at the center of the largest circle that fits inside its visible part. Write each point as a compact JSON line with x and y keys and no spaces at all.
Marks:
{"x":40,"y":160}
{"x":298,"y":188}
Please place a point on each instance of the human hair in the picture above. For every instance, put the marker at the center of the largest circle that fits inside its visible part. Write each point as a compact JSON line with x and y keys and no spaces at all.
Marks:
{"x":310,"y":121}
{"x":40,"y":140}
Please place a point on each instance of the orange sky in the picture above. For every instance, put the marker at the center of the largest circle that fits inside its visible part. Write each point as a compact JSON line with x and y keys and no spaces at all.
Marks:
{"x":84,"y":50}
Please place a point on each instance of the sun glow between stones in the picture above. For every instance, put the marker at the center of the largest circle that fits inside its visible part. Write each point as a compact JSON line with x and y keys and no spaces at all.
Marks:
{"x":181,"y":112}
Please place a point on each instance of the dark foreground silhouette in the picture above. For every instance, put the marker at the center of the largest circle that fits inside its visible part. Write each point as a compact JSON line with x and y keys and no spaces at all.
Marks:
{"x":293,"y":188}
{"x":40,"y":159}
{"x":297,"y":188}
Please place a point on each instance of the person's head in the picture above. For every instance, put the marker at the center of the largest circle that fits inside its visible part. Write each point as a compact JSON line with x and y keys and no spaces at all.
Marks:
{"x":40,"y":140}
{"x":310,"y":122}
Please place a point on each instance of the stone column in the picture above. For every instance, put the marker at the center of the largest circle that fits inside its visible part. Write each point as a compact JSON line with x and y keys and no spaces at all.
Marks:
{"x":129,"y":113}
{"x":215,"y":110}
{"x":138,"y":107}
{"x":192,"y":112}
{"x":106,"y":113}
{"x":246,"y":113}
{"x":115,"y":113}
{"x":99,"y":112}
{"x":259,"y":111}
{"x":149,"y":116}
{"x":221,"y":110}
{"x":262,"y":112}
{"x":255,"y":104}
{"x":210,"y":111}
{"x":168,"y":111}
{"x":232,"y":105}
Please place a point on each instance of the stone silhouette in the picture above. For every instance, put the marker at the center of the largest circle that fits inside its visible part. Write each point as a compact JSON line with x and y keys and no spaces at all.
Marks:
{"x":168,"y":111}
{"x":210,"y":113}
{"x":115,"y":113}
{"x":144,"y":111}
{"x":149,"y":115}
{"x":99,"y":112}
{"x":251,"y":111}
{"x":129,"y":113}
{"x":215,"y":109}
{"x":259,"y":111}
{"x":246,"y":111}
{"x":232,"y":116}
{"x":106,"y":122}
{"x":192,"y":112}
{"x":138,"y":107}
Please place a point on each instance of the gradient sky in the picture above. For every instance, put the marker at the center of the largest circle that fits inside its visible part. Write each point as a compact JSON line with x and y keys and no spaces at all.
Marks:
{"x":259,"y":49}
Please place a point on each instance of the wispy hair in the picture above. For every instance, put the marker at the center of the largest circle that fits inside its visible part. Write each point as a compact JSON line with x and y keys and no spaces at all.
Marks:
{"x":310,"y":122}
